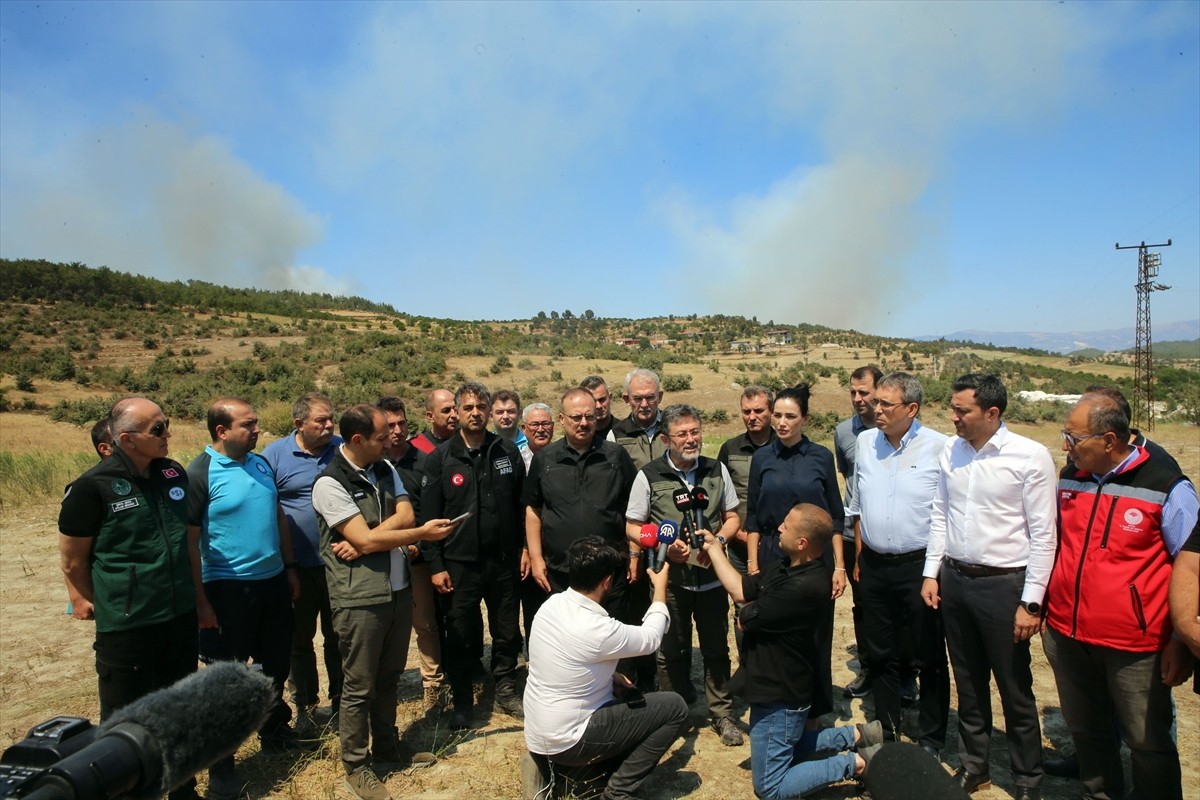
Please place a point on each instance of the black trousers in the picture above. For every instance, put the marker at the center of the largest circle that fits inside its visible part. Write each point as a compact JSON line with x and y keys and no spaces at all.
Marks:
{"x":255,"y":621}
{"x":313,"y":606}
{"x":978,"y":614}
{"x":890,"y":591}
{"x":856,"y":611}
{"x":492,"y":582}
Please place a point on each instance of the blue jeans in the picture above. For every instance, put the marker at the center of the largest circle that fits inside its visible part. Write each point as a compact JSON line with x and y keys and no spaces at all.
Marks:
{"x":779,"y":745}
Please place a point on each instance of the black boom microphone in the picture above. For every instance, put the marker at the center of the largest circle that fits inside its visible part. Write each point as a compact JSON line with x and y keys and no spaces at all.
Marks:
{"x":156,"y":743}
{"x":903,"y":771}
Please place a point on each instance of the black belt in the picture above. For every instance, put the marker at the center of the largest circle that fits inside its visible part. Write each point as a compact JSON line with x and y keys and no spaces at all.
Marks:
{"x":895,"y":558}
{"x":980,"y":571}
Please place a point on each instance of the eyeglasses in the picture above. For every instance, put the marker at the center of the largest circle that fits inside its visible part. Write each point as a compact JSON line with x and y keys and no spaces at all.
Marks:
{"x":1073,"y":440}
{"x":639,"y":399}
{"x":683,"y":436}
{"x":158,"y":430}
{"x":877,"y":403}
{"x":539,"y":426}
{"x":578,"y":418}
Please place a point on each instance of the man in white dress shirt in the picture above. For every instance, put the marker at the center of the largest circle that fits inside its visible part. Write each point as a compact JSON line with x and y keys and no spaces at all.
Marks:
{"x":991,"y":548}
{"x":894,"y":482}
{"x":579,"y":710}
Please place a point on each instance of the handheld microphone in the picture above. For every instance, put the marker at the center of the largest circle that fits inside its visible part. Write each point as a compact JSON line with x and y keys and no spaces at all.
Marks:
{"x":682,"y":499}
{"x":668,"y":532}
{"x":156,"y":743}
{"x":699,"y":503}
{"x":648,"y":538}
{"x":902,"y":770}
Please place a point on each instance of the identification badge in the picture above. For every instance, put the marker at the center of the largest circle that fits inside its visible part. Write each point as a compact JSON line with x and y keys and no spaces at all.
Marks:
{"x":125,"y":505}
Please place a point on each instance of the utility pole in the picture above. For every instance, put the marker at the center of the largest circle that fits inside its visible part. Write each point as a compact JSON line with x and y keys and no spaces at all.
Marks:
{"x":1143,"y":358}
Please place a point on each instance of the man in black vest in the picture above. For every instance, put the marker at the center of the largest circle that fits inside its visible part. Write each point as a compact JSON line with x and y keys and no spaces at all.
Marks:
{"x":366,"y":523}
{"x":481,"y":474}
{"x":695,"y":591}
{"x":639,"y":432}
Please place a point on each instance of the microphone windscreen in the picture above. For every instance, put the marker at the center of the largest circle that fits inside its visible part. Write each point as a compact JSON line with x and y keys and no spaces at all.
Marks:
{"x":668,"y":531}
{"x":902,"y":771}
{"x":682,"y":499}
{"x":201,"y":718}
{"x":649,"y":535}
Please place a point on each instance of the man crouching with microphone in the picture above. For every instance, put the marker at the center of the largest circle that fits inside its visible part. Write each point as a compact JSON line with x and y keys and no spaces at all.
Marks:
{"x":579,"y":710}
{"x":784,"y":604}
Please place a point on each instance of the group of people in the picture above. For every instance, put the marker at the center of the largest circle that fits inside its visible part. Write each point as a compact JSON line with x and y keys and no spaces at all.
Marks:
{"x":967,"y":543}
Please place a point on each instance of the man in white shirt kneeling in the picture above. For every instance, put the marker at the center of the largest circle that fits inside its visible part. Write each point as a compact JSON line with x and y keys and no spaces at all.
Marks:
{"x":579,"y":710}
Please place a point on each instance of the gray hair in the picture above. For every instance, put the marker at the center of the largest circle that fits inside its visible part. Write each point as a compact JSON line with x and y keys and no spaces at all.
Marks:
{"x":910,"y":387}
{"x":304,"y":406}
{"x":529,"y":409}
{"x":643,"y":374}
{"x":676,"y":412}
{"x":751,"y":392}
{"x":1105,"y":415}
{"x":475,"y":388}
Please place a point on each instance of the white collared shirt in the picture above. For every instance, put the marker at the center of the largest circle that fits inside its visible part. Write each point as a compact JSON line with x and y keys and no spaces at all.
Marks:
{"x":893,"y":488}
{"x":996,"y":508}
{"x":574,"y":648}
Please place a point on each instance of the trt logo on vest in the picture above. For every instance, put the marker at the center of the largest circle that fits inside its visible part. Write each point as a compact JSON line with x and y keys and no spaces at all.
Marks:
{"x":457,"y":479}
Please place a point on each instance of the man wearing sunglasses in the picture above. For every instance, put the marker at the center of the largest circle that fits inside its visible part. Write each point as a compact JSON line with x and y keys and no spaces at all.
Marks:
{"x":123,"y":545}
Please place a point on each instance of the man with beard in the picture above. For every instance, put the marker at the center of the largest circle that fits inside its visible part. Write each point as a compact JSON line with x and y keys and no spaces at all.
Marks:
{"x":695,"y":591}
{"x":598,"y":388}
{"x":442,"y":417}
{"x":638,"y":434}
{"x":296,"y":460}
{"x":410,"y":464}
{"x":477,"y":473}
{"x":243,"y":567}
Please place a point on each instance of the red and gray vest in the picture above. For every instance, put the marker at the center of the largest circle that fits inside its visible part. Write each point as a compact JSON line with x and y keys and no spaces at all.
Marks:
{"x":1110,"y":579}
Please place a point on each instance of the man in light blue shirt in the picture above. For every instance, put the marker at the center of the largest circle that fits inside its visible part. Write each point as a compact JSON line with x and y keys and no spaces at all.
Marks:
{"x":895,"y":480}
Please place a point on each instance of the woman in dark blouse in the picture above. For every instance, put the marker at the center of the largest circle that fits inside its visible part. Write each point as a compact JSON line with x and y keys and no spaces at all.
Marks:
{"x":790,"y":470}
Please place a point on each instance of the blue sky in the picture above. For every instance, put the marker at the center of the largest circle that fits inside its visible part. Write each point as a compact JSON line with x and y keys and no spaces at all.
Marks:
{"x":899,"y":168}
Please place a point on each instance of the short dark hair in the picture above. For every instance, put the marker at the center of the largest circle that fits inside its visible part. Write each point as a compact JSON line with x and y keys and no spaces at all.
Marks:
{"x":989,"y":391}
{"x":505,"y":395}
{"x":220,"y":413}
{"x":1114,"y":394}
{"x":797,"y":394}
{"x":358,"y":419}
{"x":101,"y":434}
{"x":674,"y":413}
{"x":751,"y":392}
{"x":391,"y":405}
{"x":869,"y":369}
{"x":476,"y":389}
{"x":1105,"y":415}
{"x":304,"y":406}
{"x":815,"y":524}
{"x":592,"y":383}
{"x":590,"y":560}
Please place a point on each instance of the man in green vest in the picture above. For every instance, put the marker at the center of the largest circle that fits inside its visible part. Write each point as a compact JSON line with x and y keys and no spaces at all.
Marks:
{"x":709,"y":504}
{"x":366,"y":523}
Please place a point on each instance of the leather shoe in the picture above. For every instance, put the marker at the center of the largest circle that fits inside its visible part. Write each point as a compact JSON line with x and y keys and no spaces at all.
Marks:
{"x":1062,"y":767}
{"x":971,"y":783}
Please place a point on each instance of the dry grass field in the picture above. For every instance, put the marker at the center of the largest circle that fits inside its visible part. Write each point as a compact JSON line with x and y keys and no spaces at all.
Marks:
{"x":46,"y":665}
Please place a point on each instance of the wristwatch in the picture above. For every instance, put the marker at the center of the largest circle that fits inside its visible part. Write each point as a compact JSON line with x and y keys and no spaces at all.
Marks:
{"x":1031,"y":608}
{"x":721,"y":539}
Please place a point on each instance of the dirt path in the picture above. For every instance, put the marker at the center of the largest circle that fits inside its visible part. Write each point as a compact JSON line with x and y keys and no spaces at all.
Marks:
{"x":46,"y":668}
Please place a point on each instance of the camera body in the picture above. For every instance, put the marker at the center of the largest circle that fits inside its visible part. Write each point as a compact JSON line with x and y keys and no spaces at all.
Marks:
{"x":46,"y":744}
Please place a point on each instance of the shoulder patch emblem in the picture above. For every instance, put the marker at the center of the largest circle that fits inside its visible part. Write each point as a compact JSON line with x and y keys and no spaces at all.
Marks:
{"x":121,"y":487}
{"x":457,"y":479}
{"x":176,"y":493}
{"x":170,"y":472}
{"x":261,"y":467}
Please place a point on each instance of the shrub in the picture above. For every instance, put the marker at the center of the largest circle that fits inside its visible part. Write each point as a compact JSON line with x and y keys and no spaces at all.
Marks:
{"x":677,"y":383}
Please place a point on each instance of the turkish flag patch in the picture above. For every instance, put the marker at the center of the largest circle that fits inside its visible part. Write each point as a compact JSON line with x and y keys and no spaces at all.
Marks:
{"x":457,"y":479}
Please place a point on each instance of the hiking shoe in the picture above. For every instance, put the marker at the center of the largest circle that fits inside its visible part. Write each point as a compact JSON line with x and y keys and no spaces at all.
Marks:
{"x":728,"y":731}
{"x":868,"y":753}
{"x":364,"y":784}
{"x":859,"y":687}
{"x":509,"y":703}
{"x":284,"y":739}
{"x":460,"y":718}
{"x":870,"y":733}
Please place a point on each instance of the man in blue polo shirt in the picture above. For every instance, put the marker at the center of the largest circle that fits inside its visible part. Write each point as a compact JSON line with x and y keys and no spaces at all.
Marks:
{"x":247,"y":579}
{"x":297,"y":460}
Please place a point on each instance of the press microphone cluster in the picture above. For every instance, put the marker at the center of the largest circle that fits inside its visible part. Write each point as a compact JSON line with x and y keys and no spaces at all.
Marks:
{"x":687,"y":503}
{"x":146,"y":749}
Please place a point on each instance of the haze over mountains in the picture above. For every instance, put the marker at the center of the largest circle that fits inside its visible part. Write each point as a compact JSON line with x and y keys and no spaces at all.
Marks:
{"x":1109,"y":340}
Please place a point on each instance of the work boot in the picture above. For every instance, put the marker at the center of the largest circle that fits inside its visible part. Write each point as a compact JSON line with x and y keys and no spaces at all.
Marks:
{"x":728,"y":731}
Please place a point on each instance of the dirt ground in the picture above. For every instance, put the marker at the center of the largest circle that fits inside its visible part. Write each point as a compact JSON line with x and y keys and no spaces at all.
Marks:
{"x":46,"y":669}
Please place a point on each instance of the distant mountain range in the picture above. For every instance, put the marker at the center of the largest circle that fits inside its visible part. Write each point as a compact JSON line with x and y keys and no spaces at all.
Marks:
{"x":1070,"y":341}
